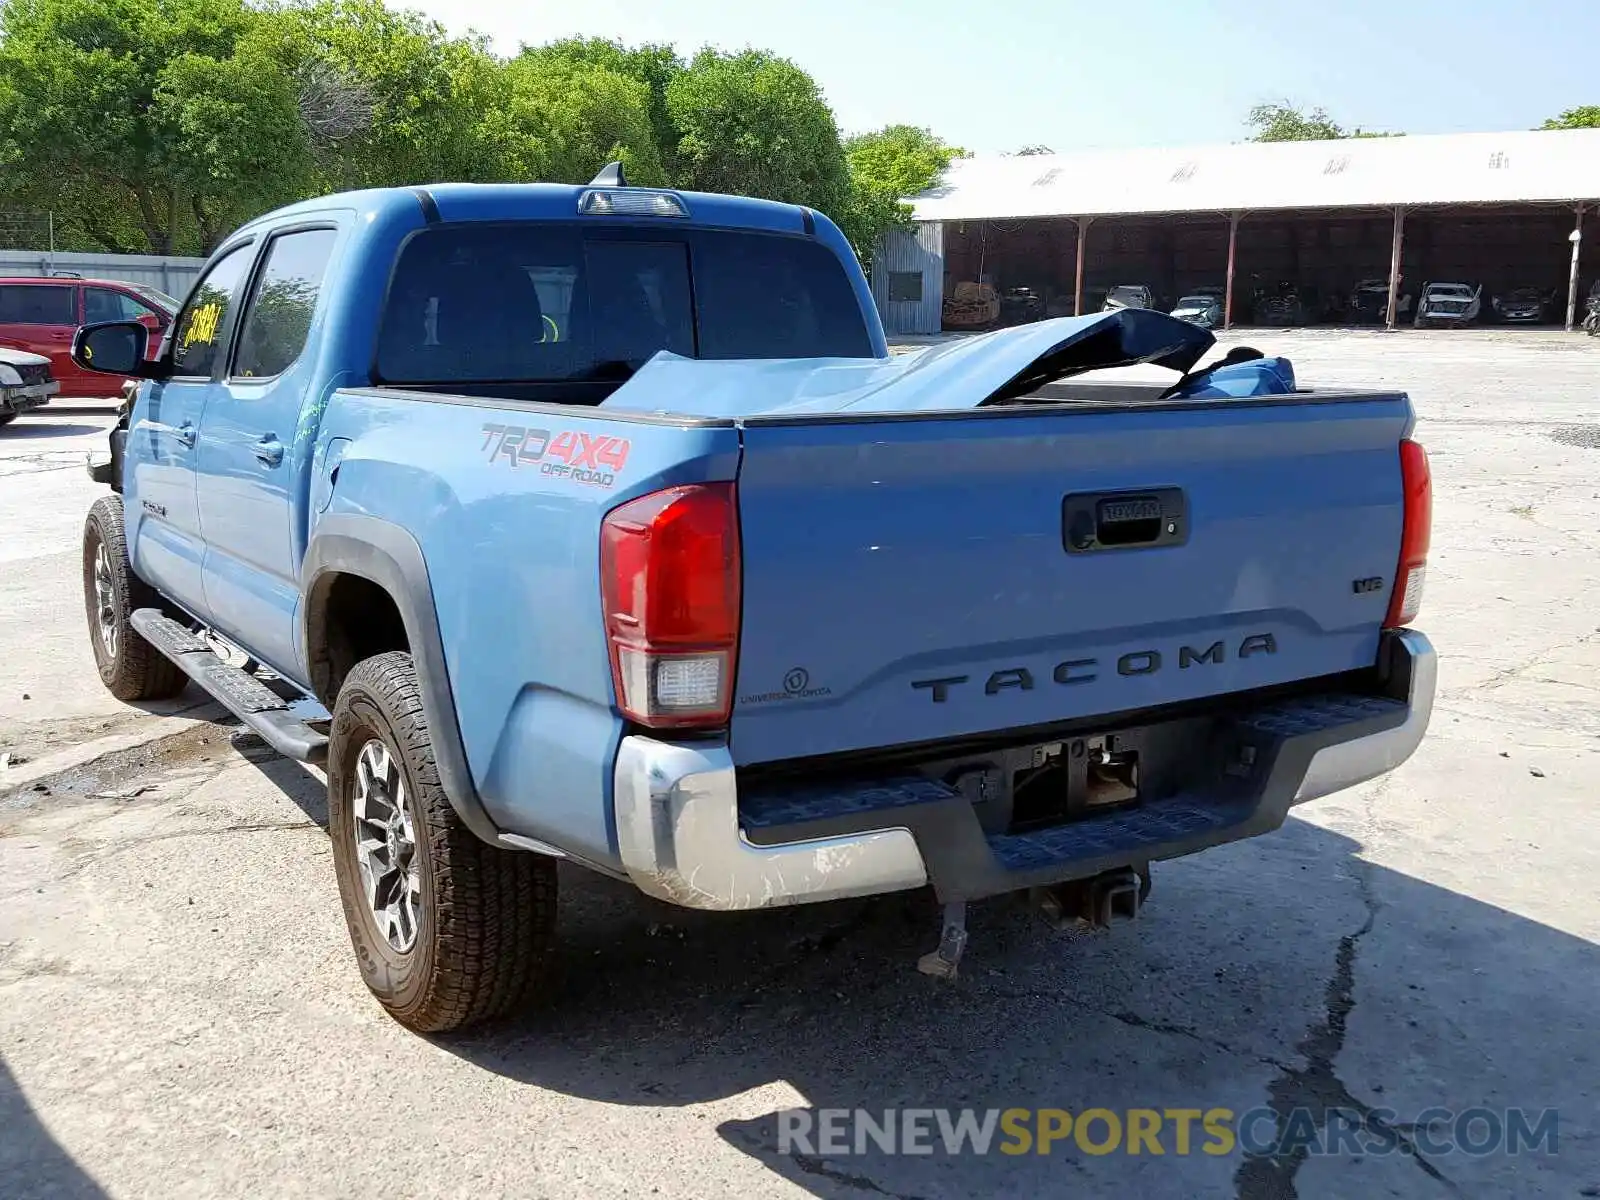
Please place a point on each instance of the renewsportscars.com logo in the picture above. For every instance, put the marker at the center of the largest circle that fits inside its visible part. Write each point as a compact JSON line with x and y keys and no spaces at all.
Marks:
{"x":1256,"y":1132}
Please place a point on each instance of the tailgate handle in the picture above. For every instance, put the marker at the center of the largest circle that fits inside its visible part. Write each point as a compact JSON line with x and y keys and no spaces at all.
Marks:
{"x":1092,"y":521}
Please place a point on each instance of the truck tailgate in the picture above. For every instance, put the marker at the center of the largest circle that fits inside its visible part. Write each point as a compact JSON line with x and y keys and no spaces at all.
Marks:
{"x":910,"y":579}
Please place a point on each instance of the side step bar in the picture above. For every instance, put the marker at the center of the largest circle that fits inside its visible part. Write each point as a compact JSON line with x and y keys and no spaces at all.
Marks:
{"x":253,"y":702}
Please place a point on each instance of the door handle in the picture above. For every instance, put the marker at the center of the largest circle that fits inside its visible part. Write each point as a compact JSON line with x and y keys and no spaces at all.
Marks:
{"x":185,"y":434}
{"x":269,"y":450}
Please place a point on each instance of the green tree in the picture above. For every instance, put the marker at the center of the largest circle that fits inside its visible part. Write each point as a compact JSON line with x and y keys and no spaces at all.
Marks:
{"x":754,"y":124}
{"x":566,"y":119}
{"x":651,"y":64}
{"x":886,"y":167}
{"x":1585,"y":116}
{"x":162,"y":116}
{"x":1281,"y":121}
{"x":406,"y":102}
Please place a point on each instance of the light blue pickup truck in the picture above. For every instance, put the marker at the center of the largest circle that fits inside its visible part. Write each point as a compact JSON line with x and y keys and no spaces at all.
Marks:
{"x":598,"y":523}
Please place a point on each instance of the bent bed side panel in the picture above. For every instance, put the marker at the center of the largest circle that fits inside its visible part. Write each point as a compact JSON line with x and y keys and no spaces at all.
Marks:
{"x":507,"y":515}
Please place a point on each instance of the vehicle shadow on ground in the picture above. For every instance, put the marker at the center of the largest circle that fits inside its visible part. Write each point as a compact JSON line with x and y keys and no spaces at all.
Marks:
{"x":80,"y":406}
{"x":32,"y":1163}
{"x":25,"y":430}
{"x":1236,"y":988}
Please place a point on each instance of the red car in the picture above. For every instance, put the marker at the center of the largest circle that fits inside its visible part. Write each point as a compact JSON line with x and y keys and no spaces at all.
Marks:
{"x":41,"y":315}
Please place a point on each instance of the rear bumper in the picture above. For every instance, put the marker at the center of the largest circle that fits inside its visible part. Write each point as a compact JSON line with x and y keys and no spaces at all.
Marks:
{"x":678,"y":831}
{"x":685,"y":837}
{"x":1345,"y":764}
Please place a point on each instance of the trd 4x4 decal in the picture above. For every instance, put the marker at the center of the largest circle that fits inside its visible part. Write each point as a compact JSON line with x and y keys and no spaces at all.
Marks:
{"x":592,"y":459}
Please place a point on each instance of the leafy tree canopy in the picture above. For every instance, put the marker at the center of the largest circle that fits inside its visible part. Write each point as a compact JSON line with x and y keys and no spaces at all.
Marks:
{"x":1584,"y":117}
{"x":158,"y":126}
{"x":886,"y":166}
{"x":1281,"y":121}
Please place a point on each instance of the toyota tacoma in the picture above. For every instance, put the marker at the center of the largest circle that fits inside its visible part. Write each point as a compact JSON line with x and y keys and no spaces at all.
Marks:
{"x":597,"y":523}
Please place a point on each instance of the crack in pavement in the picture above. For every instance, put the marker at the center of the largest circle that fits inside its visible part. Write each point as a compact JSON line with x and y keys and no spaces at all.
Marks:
{"x":1510,"y":673}
{"x":816,"y":1166}
{"x":1137,"y":1022}
{"x":86,"y":859}
{"x":1317,"y":1088}
{"x":812,"y":1164}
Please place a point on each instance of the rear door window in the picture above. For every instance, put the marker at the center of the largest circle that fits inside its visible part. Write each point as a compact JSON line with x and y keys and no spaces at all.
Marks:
{"x":278,"y":320}
{"x":37,"y":304}
{"x":564,"y":303}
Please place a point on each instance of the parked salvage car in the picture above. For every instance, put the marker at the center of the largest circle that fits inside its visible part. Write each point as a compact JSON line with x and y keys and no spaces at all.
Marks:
{"x":1369,"y":302}
{"x":1284,"y":307}
{"x":1448,"y":304}
{"x":40,"y":315}
{"x":1020,"y":306}
{"x":25,"y":382}
{"x":1128,"y":295}
{"x":1200,"y":309}
{"x":1524,"y":305}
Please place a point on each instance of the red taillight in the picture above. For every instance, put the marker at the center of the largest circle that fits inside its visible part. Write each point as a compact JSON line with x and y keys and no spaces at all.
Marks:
{"x":669,"y":580}
{"x":1417,"y":481}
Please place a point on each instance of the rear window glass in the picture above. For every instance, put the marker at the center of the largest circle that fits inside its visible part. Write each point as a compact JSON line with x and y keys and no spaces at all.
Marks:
{"x":550,"y":303}
{"x":37,"y":304}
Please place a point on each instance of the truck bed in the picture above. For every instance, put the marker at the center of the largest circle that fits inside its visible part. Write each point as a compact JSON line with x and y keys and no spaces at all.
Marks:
{"x":930,"y":553}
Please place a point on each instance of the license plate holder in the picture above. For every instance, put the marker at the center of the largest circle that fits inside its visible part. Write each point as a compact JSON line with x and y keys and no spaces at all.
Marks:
{"x":1124,"y":520}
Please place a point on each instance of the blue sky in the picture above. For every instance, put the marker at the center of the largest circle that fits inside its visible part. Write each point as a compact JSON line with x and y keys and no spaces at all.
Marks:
{"x":993,"y":75}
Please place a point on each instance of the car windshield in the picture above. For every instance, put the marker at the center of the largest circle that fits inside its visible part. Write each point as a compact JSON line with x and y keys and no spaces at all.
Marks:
{"x":159,"y":299}
{"x":1449,"y":289}
{"x":553,"y":303}
{"x":1524,"y":293}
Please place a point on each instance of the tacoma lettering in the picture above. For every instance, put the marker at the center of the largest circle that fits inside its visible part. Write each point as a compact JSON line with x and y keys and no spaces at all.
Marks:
{"x":1087,"y":670}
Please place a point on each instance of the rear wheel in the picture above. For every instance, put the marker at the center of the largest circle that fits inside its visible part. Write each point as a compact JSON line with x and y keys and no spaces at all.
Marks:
{"x":448,"y":930}
{"x":130,"y":667}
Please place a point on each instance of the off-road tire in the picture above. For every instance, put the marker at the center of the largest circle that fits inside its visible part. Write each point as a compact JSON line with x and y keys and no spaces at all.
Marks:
{"x":131,"y":669}
{"x":485,"y":930}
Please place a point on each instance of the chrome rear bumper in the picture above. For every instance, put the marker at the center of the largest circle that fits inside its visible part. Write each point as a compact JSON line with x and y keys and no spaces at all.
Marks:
{"x":680,"y":839}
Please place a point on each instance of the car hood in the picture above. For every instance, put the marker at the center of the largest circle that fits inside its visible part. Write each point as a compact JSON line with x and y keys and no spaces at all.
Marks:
{"x":21,"y":358}
{"x":956,"y":375}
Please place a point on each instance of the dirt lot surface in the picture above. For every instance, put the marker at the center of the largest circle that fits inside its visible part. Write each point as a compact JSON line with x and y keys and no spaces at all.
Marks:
{"x":180,"y":1014}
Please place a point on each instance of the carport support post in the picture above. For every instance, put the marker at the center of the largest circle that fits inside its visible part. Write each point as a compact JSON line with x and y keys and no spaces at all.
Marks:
{"x":1576,"y":239}
{"x":1227,"y":291}
{"x":1077,"y":279}
{"x":1394,"y":267}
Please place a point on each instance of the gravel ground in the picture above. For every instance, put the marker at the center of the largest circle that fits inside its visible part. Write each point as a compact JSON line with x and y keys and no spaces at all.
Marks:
{"x":179,"y":1012}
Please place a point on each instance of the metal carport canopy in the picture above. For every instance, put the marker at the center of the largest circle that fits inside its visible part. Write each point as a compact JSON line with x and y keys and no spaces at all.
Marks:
{"x":1540,"y":166}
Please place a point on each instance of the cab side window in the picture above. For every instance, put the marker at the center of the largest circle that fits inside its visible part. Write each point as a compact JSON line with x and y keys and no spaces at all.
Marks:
{"x":202,"y":322}
{"x":278,"y":320}
{"x":103,"y":304}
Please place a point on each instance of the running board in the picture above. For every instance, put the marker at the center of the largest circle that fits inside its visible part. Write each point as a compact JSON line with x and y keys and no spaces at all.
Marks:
{"x":253,"y":702}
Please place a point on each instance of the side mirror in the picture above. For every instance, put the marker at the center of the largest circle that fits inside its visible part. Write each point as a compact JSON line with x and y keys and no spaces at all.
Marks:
{"x":114,"y":348}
